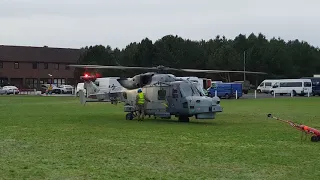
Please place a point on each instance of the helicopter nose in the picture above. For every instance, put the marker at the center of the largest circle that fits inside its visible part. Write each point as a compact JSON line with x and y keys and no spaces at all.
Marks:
{"x":204,"y":104}
{"x":215,"y":100}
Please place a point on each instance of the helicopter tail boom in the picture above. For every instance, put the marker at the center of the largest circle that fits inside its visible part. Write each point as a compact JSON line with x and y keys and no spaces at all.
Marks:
{"x":137,"y":81}
{"x":95,"y":94}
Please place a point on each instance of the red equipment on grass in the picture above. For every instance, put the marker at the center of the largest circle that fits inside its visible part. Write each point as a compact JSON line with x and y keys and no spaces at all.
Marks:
{"x":303,"y":128}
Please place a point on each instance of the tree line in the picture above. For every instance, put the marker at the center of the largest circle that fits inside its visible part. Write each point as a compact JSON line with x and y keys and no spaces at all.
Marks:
{"x":277,"y":57}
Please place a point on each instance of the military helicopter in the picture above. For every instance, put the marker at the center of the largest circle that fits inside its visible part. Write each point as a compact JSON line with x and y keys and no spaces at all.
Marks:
{"x":168,"y":94}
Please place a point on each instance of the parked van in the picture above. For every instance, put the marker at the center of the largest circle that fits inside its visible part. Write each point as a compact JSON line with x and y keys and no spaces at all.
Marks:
{"x":295,"y":86}
{"x":315,"y":85}
{"x":226,"y":90}
{"x":80,"y":86}
{"x":266,"y":85}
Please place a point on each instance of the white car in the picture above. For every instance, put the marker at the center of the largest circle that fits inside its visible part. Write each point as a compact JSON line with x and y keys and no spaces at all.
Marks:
{"x":2,"y":91}
{"x":66,"y":89}
{"x":11,"y":89}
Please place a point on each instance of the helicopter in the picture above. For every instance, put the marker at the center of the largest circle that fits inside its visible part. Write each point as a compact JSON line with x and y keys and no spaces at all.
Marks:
{"x":168,"y":94}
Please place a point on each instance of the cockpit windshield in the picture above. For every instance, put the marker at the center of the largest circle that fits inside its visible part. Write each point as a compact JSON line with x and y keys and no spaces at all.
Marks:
{"x":189,"y":90}
{"x":200,"y":90}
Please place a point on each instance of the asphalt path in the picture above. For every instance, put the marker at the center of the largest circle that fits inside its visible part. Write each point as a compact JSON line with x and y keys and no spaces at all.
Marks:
{"x":264,"y":96}
{"x":244,"y":96}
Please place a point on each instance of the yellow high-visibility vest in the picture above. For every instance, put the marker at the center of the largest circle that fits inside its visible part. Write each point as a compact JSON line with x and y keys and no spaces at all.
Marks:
{"x":141,"y":98}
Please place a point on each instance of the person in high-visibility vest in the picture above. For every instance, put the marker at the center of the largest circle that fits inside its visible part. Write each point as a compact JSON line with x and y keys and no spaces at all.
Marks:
{"x":49,"y":89}
{"x":141,"y":104}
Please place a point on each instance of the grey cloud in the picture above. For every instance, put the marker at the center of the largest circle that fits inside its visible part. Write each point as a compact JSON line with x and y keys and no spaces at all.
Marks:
{"x":76,"y":23}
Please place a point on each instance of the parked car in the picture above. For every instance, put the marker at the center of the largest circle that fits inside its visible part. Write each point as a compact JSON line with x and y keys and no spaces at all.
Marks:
{"x":65,"y":89}
{"x":44,"y":88}
{"x":11,"y":89}
{"x":62,"y":89}
{"x":2,"y":91}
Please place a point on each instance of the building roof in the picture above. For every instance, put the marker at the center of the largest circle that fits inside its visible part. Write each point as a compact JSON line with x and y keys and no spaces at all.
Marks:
{"x":39,"y":54}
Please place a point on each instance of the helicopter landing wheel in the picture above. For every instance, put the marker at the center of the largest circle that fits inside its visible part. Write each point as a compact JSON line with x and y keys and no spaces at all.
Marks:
{"x":129,"y":116}
{"x":183,"y":119}
{"x":315,"y":138}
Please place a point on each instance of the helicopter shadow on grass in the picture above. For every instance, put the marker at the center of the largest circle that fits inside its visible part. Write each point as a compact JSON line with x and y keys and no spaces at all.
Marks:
{"x":102,"y":119}
{"x":175,"y":121}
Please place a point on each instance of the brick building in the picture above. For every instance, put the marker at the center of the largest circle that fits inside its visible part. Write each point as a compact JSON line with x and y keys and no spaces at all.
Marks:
{"x":29,"y":67}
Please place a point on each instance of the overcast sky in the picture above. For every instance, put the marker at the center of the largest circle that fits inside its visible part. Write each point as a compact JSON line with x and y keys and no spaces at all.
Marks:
{"x":79,"y":23}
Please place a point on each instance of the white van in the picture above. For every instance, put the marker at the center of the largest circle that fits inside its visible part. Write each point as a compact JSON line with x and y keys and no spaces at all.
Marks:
{"x":80,"y":86}
{"x":294,"y":86}
{"x":108,"y":84}
{"x":266,"y":85}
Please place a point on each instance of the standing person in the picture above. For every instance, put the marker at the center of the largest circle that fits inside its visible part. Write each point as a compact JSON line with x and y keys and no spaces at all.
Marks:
{"x":140,"y":104}
{"x":49,"y":90}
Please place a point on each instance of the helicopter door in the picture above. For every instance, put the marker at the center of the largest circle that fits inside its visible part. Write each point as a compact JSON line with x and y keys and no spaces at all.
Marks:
{"x":162,"y":97}
{"x":160,"y":106}
{"x":158,"y":98}
{"x":174,"y":99}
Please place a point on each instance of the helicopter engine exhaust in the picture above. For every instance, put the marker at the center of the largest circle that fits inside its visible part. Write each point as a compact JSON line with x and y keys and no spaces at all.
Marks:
{"x":137,"y":81}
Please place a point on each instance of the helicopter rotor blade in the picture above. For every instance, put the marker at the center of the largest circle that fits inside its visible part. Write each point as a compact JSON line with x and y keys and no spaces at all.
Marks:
{"x":157,"y":68}
{"x":220,"y":71}
{"x":111,"y":67}
{"x":163,"y":68}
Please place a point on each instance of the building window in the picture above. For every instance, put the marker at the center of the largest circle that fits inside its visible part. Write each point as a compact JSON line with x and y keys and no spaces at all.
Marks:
{"x":1,"y":65}
{"x":45,"y":65}
{"x":59,"y":82}
{"x":34,"y":65}
{"x":67,"y":67}
{"x":45,"y":81}
{"x":4,"y":81}
{"x":70,"y":81}
{"x":16,"y":65}
{"x":32,"y":83}
{"x":56,"y":66}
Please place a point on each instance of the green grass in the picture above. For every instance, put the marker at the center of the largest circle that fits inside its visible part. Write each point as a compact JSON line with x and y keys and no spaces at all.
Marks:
{"x":57,"y":138}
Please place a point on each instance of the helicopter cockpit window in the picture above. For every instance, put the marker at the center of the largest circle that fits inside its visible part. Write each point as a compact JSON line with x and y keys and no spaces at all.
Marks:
{"x":161,"y":94}
{"x":197,"y":91}
{"x":186,"y":90}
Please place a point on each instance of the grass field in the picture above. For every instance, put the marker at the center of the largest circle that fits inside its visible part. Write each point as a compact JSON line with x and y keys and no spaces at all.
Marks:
{"x":57,"y":138}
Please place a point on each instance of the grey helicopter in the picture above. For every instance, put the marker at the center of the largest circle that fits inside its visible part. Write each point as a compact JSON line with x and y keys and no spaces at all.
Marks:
{"x":168,"y":95}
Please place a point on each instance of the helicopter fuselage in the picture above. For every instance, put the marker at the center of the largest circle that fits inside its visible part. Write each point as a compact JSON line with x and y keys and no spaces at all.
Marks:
{"x":168,"y":95}
{"x":178,"y":98}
